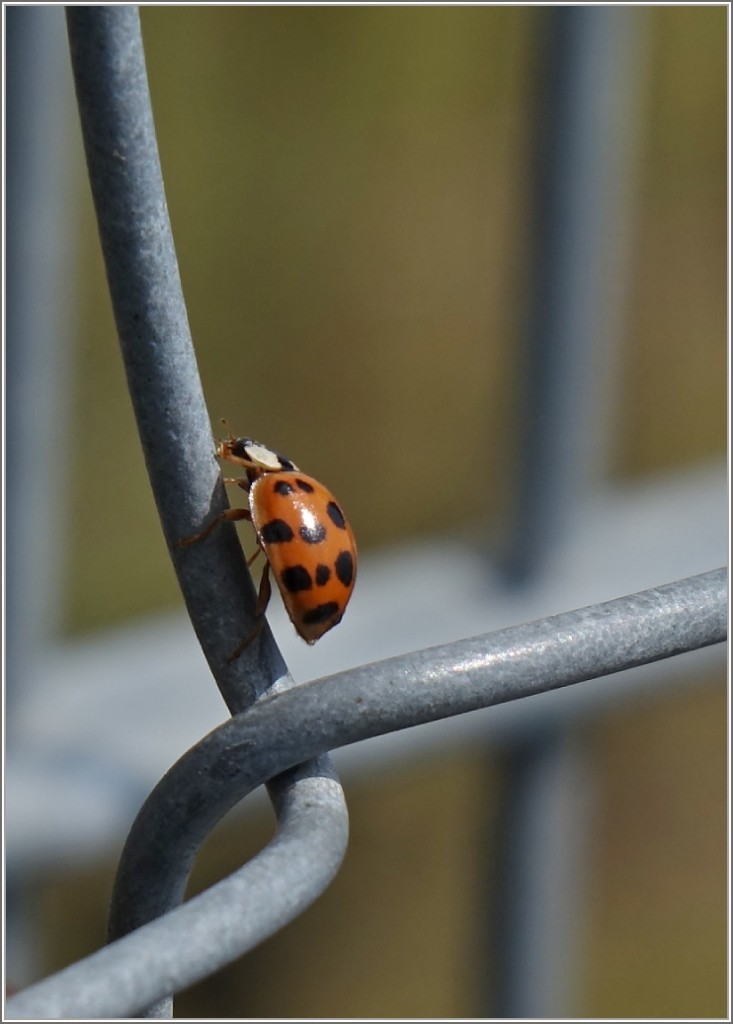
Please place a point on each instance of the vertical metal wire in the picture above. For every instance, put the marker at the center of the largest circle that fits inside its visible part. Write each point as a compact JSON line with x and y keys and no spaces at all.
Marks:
{"x":586,"y":110}
{"x":39,"y":211}
{"x":585,"y":128}
{"x":546,"y":823}
{"x":38,"y":353}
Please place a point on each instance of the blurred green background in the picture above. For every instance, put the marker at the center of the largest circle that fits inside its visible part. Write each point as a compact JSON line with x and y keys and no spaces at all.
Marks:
{"x":349,"y":195}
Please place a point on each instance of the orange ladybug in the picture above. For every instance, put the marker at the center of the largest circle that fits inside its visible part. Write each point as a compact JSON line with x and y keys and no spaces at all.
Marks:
{"x":306,"y":538}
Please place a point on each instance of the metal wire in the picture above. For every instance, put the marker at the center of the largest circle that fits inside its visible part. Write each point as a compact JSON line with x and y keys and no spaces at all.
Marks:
{"x":124,"y":171}
{"x":584,"y":134}
{"x":584,"y":128}
{"x":285,"y":728}
{"x":160,"y":362}
{"x":278,"y":737}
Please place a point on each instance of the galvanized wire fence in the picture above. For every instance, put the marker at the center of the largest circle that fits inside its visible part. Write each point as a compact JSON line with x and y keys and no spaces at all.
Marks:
{"x":279,"y":734}
{"x":166,"y":945}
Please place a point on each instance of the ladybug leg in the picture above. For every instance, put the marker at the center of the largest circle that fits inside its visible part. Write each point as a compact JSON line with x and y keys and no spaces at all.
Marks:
{"x":240,"y":481}
{"x":265,"y":591}
{"x":252,"y":558}
{"x":263,"y":598}
{"x":231,"y":515}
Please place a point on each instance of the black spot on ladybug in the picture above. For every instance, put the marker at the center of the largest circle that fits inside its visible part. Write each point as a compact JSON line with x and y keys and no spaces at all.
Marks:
{"x":321,"y":613}
{"x":303,"y":485}
{"x":282,"y":487}
{"x":295,"y":578}
{"x":276,"y":531}
{"x":323,"y":575}
{"x":345,"y":568}
{"x":336,"y":515}
{"x":312,"y":534}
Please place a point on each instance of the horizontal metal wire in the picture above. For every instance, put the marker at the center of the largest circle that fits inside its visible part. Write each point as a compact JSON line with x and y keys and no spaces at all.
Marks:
{"x":283,"y":729}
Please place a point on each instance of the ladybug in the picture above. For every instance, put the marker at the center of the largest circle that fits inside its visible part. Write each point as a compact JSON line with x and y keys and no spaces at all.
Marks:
{"x":303,"y":532}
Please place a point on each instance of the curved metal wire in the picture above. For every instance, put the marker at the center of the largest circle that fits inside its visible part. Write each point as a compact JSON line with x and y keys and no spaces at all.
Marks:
{"x":285,"y":728}
{"x":142,"y":271}
{"x":210,"y":930}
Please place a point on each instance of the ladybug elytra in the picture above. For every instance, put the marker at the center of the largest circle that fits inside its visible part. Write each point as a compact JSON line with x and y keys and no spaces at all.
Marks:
{"x":303,"y":532}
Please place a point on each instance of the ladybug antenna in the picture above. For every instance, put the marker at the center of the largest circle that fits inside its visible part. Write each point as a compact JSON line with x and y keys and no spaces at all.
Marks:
{"x":228,"y":429}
